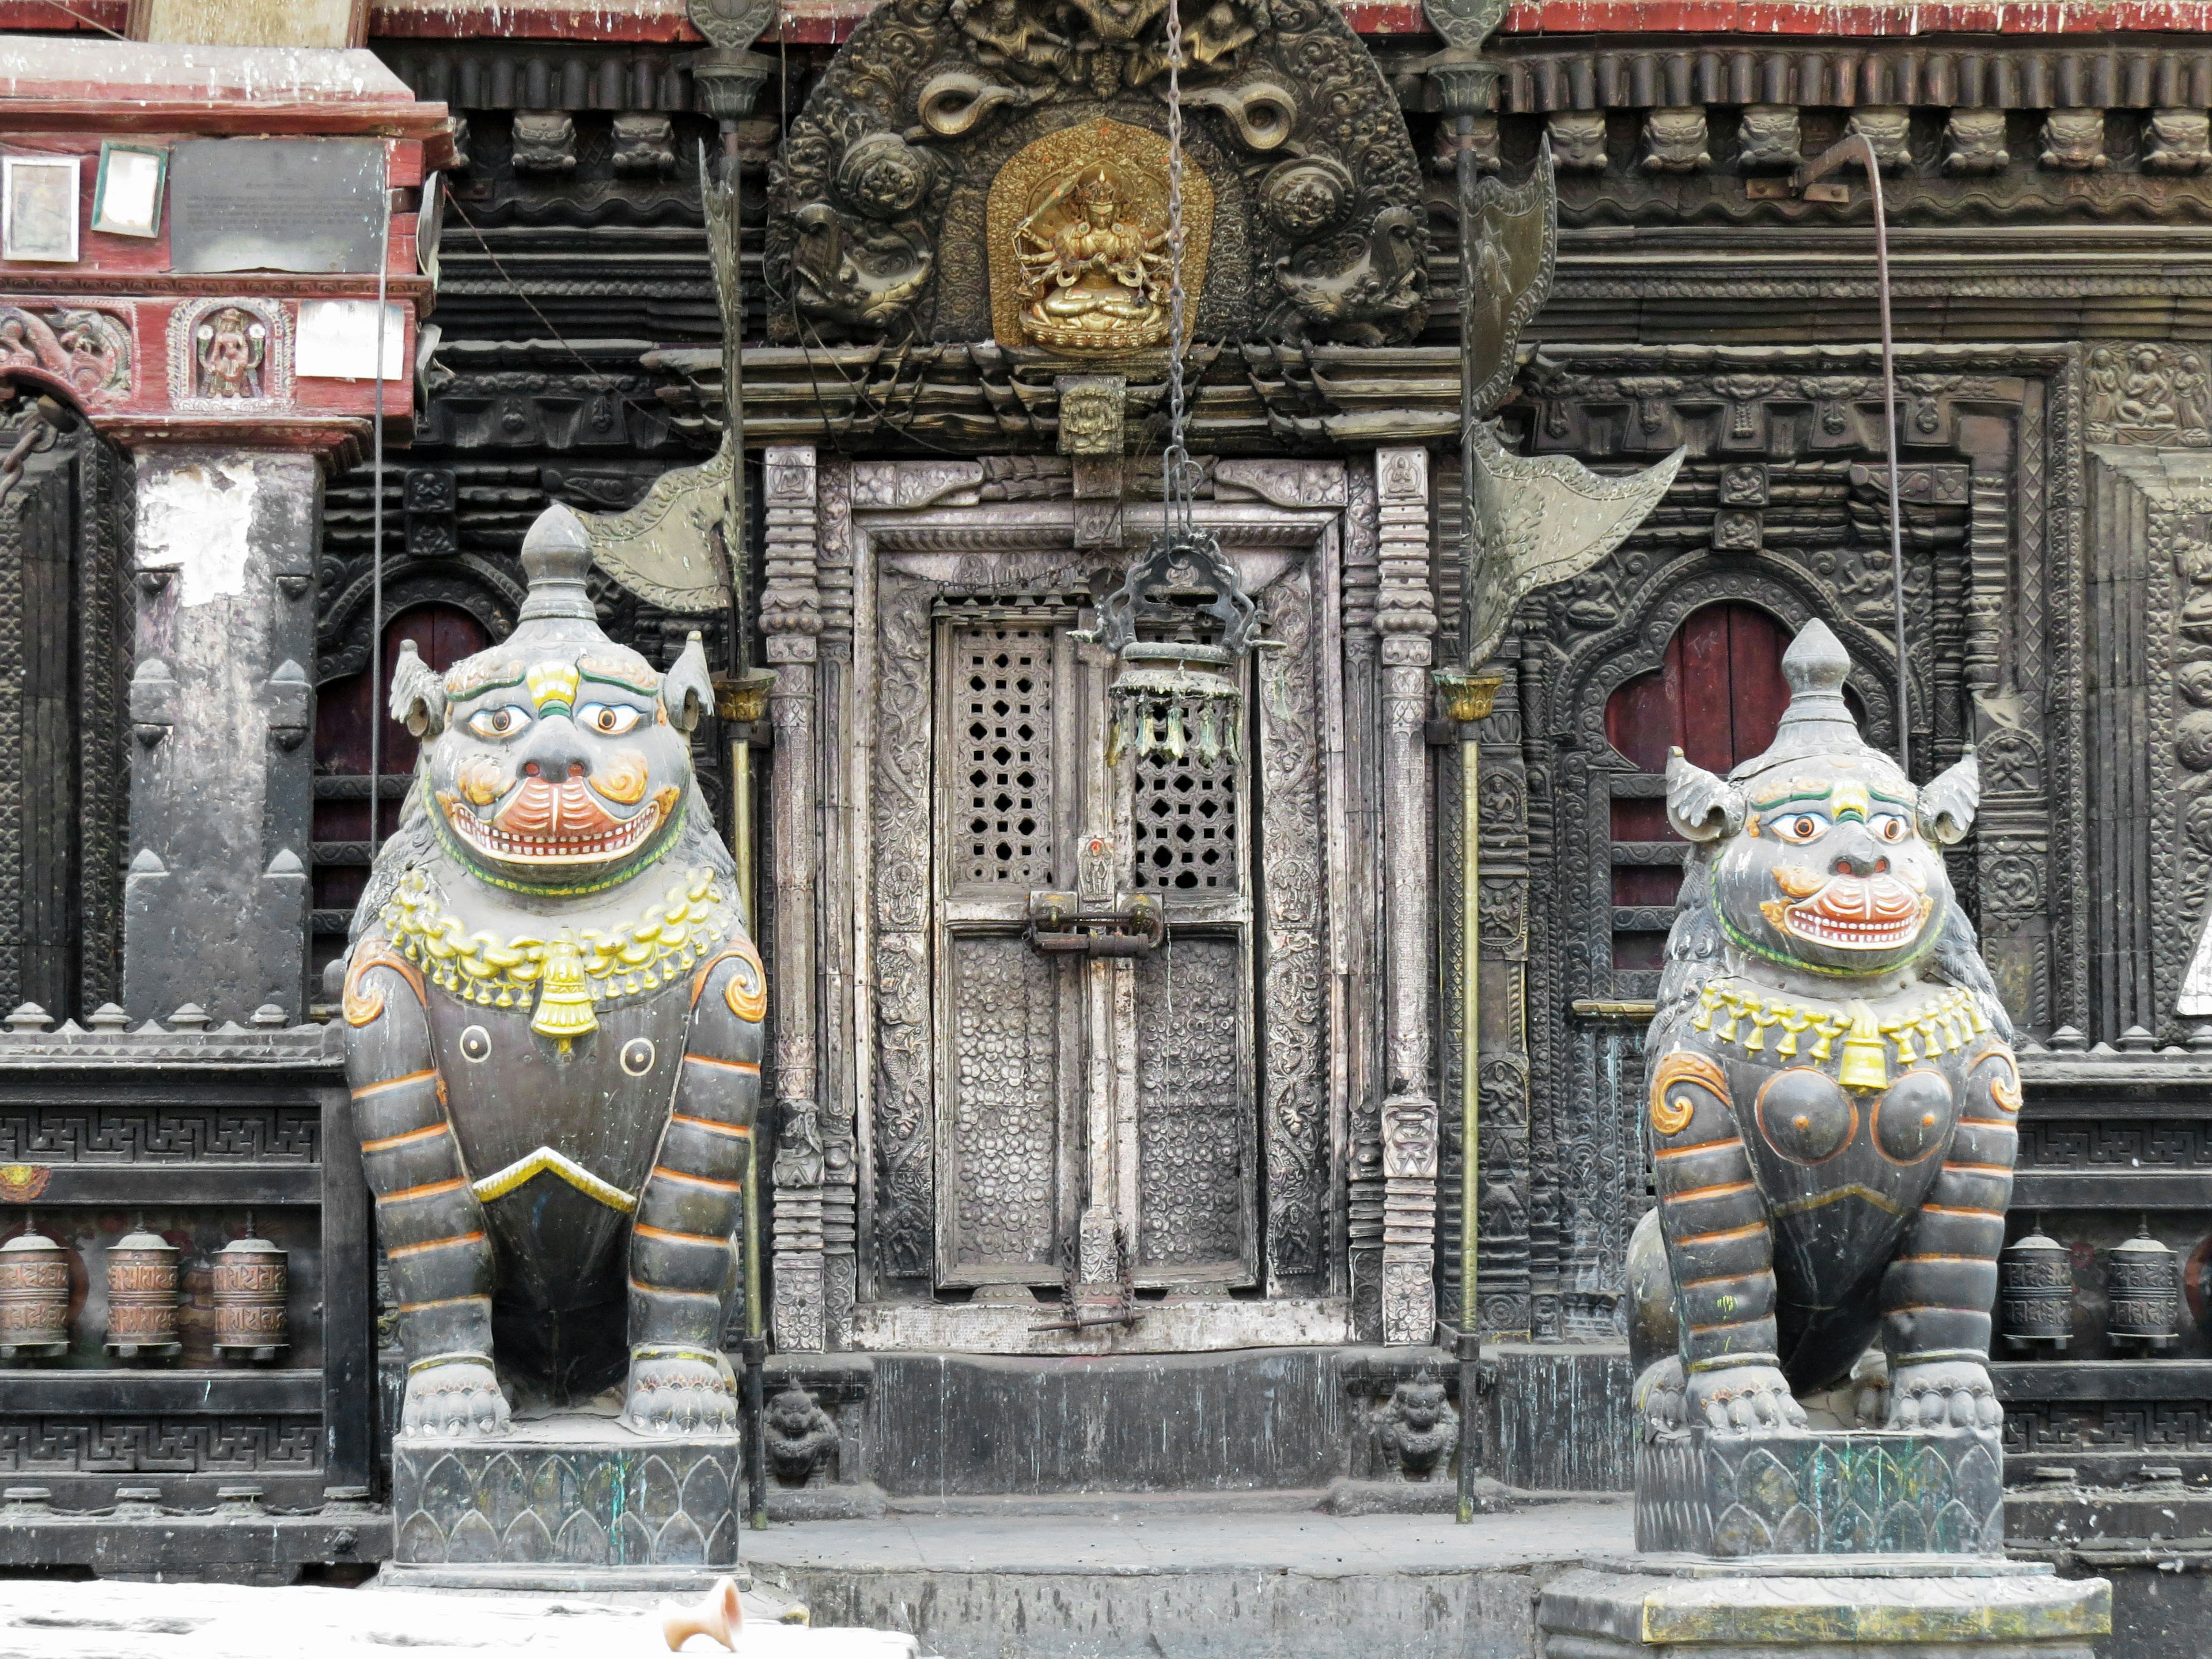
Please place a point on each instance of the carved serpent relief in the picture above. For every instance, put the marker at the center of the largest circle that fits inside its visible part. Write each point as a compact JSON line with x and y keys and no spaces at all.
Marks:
{"x":881,"y":225}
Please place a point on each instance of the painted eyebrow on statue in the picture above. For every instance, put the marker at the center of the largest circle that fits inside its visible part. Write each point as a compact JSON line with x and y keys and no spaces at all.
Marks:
{"x":492,"y":677}
{"x":618,"y":673}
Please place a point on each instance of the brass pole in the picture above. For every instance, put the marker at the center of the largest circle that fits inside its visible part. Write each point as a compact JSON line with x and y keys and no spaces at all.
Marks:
{"x":1470,"y":1117}
{"x":741,"y":826}
{"x":1469,"y":698}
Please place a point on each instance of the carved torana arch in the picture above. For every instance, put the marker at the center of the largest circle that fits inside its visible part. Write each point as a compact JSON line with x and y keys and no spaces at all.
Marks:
{"x":879,"y":226}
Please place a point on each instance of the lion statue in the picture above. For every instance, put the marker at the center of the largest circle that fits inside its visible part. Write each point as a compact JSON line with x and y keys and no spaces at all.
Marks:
{"x":553,"y":1027}
{"x":1832,"y":1099}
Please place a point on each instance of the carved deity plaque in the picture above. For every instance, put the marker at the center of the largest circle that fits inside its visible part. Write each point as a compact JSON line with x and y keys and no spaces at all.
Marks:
{"x":1079,"y":238}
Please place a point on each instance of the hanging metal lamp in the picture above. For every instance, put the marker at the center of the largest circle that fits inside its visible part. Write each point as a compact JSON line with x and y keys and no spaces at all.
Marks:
{"x":1180,"y":626}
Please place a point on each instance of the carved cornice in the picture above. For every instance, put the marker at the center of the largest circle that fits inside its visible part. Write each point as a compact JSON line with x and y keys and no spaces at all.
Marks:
{"x":972,"y":400}
{"x":2033,"y":72}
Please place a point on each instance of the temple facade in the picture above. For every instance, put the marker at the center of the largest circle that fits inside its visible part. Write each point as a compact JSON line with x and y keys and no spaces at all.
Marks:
{"x":847,"y":332}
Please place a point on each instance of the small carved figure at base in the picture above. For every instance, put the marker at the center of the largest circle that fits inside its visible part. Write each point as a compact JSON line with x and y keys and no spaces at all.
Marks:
{"x":797,"y":1436}
{"x":1418,"y":1427}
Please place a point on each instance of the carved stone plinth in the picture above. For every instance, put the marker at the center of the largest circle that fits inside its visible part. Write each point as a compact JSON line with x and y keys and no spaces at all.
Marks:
{"x":1894,"y":1607}
{"x":1820,"y":1492}
{"x":566,"y":1502}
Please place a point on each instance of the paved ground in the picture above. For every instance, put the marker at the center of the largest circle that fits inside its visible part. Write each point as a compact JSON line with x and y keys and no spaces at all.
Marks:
{"x":1130,"y":1540}
{"x":42,"y":1619}
{"x":1132,"y":1582}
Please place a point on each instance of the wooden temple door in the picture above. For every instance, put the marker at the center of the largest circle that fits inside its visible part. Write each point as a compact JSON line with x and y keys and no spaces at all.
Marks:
{"x":1096,"y":1113}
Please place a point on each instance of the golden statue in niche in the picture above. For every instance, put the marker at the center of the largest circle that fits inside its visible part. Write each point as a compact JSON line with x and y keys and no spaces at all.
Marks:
{"x":1096,"y":281}
{"x":1078,"y":242}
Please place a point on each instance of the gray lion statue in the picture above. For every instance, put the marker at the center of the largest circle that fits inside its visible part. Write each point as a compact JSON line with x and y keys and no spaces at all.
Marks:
{"x":1832,"y":1098}
{"x":552,"y":1027}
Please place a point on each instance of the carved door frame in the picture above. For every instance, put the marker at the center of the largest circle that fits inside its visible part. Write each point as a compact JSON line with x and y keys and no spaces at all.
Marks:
{"x":904,"y":559}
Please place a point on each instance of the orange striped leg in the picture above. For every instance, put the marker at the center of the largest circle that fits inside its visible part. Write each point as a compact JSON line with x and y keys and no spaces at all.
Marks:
{"x":1936,"y":1294}
{"x":1719,"y":1249}
{"x":432,"y":1228}
{"x":680,"y":1259}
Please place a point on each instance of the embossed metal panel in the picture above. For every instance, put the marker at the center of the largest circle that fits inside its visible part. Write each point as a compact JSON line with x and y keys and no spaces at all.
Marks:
{"x":1196,"y":1121}
{"x":1000,"y":1188}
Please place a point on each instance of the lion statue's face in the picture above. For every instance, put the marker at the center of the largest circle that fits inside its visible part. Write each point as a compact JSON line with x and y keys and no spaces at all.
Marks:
{"x":557,"y":766}
{"x":1831,"y":870}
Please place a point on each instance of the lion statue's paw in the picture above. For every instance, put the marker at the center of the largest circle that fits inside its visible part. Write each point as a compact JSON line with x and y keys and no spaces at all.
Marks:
{"x":1942,"y":1394}
{"x":687,"y":1391}
{"x":1744,"y":1397}
{"x":454,"y":1399}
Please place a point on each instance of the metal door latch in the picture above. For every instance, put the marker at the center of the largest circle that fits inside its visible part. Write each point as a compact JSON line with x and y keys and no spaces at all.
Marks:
{"x":1118,"y":925}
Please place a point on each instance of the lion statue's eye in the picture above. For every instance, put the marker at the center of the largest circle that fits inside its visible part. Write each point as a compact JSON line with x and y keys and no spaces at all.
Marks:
{"x":1800,"y":826}
{"x":503,"y":721}
{"x":1889,"y":827}
{"x":608,"y":719}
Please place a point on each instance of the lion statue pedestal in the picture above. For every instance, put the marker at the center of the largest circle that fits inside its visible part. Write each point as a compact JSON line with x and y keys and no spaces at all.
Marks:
{"x":1831,"y":1119}
{"x":553,"y":1039}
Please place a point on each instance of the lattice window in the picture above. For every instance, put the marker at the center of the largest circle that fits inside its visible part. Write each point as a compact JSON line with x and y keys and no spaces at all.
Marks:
{"x":1185,"y":817}
{"x":1004,"y":688}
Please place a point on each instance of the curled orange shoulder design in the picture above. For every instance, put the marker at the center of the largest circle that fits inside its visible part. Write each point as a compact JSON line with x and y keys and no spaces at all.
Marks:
{"x":1671,"y":1114}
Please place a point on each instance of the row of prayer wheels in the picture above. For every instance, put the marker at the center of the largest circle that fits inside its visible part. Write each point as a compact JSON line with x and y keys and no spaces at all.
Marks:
{"x":250,"y":1285}
{"x":2035,"y":1293}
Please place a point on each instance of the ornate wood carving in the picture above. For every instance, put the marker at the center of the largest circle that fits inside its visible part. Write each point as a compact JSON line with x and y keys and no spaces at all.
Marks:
{"x":1293,"y":963}
{"x":879,"y":226}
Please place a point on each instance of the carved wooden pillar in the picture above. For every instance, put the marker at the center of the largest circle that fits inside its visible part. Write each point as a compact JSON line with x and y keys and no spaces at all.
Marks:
{"x":1405,"y":618}
{"x":790,"y":618}
{"x":1364,"y":930}
{"x":834,"y":903}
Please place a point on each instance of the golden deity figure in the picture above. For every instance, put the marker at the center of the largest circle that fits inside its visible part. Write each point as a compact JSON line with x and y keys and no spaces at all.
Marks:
{"x":1094,"y":267}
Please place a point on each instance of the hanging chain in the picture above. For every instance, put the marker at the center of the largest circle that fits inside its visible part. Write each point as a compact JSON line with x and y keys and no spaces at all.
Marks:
{"x":1174,"y":461}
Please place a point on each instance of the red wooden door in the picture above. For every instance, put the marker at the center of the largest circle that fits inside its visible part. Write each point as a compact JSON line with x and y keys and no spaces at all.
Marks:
{"x":1718,"y":695}
{"x":443,"y":634}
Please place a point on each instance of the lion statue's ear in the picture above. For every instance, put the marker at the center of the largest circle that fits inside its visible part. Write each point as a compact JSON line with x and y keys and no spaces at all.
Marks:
{"x":1700,"y":806}
{"x":687,"y":691}
{"x":418,"y":693}
{"x":1949,"y":800}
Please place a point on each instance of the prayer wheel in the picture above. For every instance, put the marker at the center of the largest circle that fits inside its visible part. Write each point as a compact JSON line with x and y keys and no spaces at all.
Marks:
{"x":250,"y":1282}
{"x":2142,"y":1291}
{"x":2035,"y":1293}
{"x":33,"y":1298}
{"x":142,"y":1298}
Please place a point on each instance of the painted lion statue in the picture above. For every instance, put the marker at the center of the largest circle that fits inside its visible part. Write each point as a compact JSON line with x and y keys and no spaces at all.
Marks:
{"x":1832,"y":1098}
{"x":553,"y":1027}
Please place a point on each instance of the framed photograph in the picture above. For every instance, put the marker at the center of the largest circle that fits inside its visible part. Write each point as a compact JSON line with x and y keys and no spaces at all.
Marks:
{"x":37,"y":208}
{"x":126,"y":197}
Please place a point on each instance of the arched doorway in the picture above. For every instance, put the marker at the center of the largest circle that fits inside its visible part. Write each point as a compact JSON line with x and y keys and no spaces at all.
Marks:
{"x":1718,"y":695}
{"x":345,"y":839}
